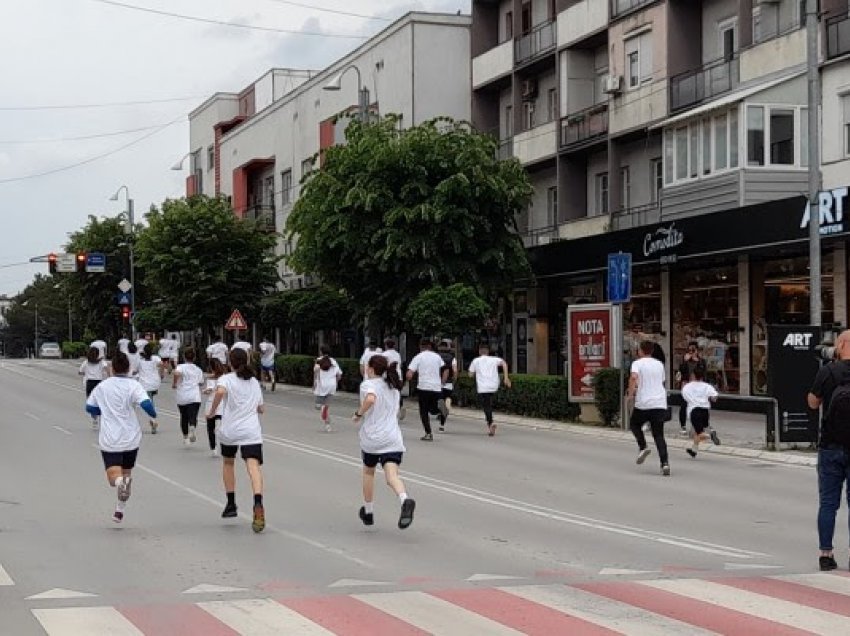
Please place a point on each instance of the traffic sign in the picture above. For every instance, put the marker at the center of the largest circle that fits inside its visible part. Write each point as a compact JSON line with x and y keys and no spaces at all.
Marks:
{"x":125,"y":298}
{"x":619,"y":277}
{"x":125,"y":285}
{"x":66,"y":263}
{"x":95,"y":263}
{"x":236,"y":322}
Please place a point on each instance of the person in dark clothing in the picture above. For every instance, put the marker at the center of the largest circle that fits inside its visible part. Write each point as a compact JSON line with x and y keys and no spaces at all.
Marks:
{"x":691,"y":361}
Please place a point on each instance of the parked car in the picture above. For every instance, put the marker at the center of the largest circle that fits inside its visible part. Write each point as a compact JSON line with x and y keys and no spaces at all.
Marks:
{"x":50,"y":350}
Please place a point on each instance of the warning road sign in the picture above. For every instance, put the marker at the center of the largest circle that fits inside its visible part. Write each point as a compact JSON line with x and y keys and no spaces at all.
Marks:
{"x":236,"y":322}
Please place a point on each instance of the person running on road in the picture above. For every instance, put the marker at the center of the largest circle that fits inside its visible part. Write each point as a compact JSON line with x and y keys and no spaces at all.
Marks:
{"x":122,"y":343}
{"x":485,"y":370}
{"x":217,"y":370}
{"x":187,"y":382}
{"x":698,"y":395}
{"x":141,"y":342}
{"x":134,"y":358}
{"x":429,"y":386}
{"x":114,"y":401}
{"x":150,"y":377}
{"x":394,"y":358}
{"x":326,"y":376}
{"x":448,"y":373}
{"x":380,"y":437}
{"x":244,"y":345}
{"x":267,"y":354}
{"x":242,"y":400}
{"x":368,"y":352}
{"x":218,"y":350}
{"x":94,"y":370}
{"x":646,"y":388}
{"x":100,"y":345}
{"x":168,"y":351}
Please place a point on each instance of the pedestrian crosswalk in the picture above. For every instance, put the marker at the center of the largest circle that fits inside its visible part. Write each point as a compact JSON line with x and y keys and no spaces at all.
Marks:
{"x":775,"y":605}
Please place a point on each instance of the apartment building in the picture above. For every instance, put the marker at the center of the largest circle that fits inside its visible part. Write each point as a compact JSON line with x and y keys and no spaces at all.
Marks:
{"x":256,"y":145}
{"x":679,"y":134}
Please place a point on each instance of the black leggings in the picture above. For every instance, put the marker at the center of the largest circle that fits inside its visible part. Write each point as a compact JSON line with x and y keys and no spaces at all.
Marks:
{"x":211,"y":430}
{"x":486,"y":400}
{"x":427,"y":407}
{"x":188,"y":416}
{"x":655,"y":417}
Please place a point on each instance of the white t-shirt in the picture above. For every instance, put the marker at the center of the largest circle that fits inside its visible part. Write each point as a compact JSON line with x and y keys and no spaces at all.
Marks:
{"x":218,"y":350}
{"x":428,"y":365}
{"x":367,"y":355}
{"x":698,"y":394}
{"x":267,"y":353}
{"x":651,"y":393}
{"x":134,"y":359}
{"x":326,"y":381}
{"x":100,"y":345}
{"x":189,"y":385}
{"x":379,"y":430}
{"x":149,"y":373}
{"x":141,"y":343}
{"x":240,"y":422}
{"x":393,"y":356}
{"x":486,"y":370}
{"x":167,"y":348}
{"x":241,"y":344}
{"x":117,"y":398}
{"x":122,"y":345}
{"x":96,"y":371}
{"x":209,"y":389}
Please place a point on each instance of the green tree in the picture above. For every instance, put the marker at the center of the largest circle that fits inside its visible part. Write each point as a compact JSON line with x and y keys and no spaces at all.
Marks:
{"x":44,"y":298}
{"x":448,"y":311}
{"x":395,"y":212}
{"x":201,"y":261}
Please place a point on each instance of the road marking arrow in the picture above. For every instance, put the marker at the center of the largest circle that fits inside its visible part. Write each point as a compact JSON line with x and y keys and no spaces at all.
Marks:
{"x":58,"y":592}
{"x":208,"y":588}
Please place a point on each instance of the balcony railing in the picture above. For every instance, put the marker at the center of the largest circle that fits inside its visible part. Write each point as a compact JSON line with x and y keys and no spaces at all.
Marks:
{"x":620,"y":7}
{"x":837,"y":36}
{"x":635,"y":216}
{"x":505,"y":149}
{"x":584,"y":126}
{"x":691,"y":88}
{"x":540,"y":236}
{"x":264,"y":215}
{"x":539,"y":40}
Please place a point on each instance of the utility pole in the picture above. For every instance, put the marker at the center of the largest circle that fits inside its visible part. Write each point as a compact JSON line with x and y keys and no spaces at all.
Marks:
{"x":814,"y":162}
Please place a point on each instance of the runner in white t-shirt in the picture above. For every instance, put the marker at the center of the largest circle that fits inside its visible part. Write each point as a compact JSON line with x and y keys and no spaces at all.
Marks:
{"x":646,"y":388}
{"x":217,"y":370}
{"x":485,"y":370}
{"x":370,"y":351}
{"x":122,"y":344}
{"x":698,"y":395}
{"x":94,"y":371}
{"x":267,"y":354}
{"x":242,"y":344}
{"x":187,"y":382}
{"x":326,"y":376}
{"x":134,"y":358}
{"x":218,"y":350}
{"x":429,"y":386}
{"x":141,"y":343}
{"x":380,"y":437}
{"x":150,"y":377}
{"x":242,"y":400}
{"x":168,"y":352}
{"x":394,"y":357}
{"x":100,"y":345}
{"x":114,"y":401}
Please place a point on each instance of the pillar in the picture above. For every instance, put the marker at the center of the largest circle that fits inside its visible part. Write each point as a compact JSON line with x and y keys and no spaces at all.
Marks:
{"x":615,"y":182}
{"x":745,"y":23}
{"x":744,"y":324}
{"x":667,"y":325}
{"x":839,"y":283}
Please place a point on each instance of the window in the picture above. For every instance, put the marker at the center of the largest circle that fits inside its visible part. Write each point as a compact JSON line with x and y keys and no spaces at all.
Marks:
{"x":626,"y":183}
{"x":268,"y":191}
{"x":639,"y":59}
{"x":509,"y":122}
{"x":701,"y":148}
{"x":210,"y":157}
{"x":733,"y":138}
{"x":602,"y":193}
{"x":509,"y":25}
{"x":286,"y":187}
{"x":721,"y":146}
{"x":553,"y":104}
{"x":804,"y":137}
{"x":656,"y":174}
{"x":526,"y":17}
{"x":694,"y":154}
{"x":782,"y":137}
{"x":669,"y":156}
{"x":706,"y":146}
{"x":551,"y":206}
{"x":845,"y":104}
{"x":682,"y":152}
{"x":528,"y":115}
{"x":728,"y":38}
{"x":306,"y":167}
{"x":755,"y":135}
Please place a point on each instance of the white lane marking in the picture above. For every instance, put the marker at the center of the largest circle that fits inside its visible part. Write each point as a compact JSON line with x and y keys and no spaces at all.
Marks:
{"x":533,"y":509}
{"x":32,"y":417}
{"x":58,"y":592}
{"x":625,"y":572}
{"x":210,"y":588}
{"x":826,"y":582}
{"x":434,"y":615}
{"x":492,"y":577}
{"x":262,"y":617}
{"x":759,"y":605}
{"x":357,"y":583}
{"x":751,"y":566}
{"x":614,"y":615}
{"x":63,"y":430}
{"x":85,"y":621}
{"x":5,"y":579}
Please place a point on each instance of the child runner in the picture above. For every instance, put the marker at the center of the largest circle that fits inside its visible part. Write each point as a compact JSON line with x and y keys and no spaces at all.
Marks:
{"x":134,"y":358}
{"x":242,"y":398}
{"x":326,"y":375}
{"x":187,"y":382}
{"x":699,"y":395}
{"x":380,"y":437}
{"x":485,"y":370}
{"x":267,"y":353}
{"x":394,"y":358}
{"x":114,"y":401}
{"x":150,"y":376}
{"x":94,"y":370}
{"x":217,"y":369}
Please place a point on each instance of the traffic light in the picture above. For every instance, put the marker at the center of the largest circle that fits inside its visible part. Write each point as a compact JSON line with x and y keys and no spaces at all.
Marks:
{"x":81,"y":262}
{"x":125,"y":313}
{"x":51,"y":263}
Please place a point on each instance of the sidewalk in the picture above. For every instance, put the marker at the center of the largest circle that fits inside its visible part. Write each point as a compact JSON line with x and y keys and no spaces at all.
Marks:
{"x":741,"y":434}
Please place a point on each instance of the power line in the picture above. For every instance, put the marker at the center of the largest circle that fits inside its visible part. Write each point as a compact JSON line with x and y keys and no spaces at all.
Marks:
{"x":100,"y":105}
{"x":81,"y":137}
{"x":238,"y":25}
{"x":334,"y":11}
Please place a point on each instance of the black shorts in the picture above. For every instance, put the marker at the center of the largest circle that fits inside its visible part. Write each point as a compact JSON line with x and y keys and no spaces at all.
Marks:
{"x":699,"y":419}
{"x":249,"y":451}
{"x":90,"y":384}
{"x":446,"y":394}
{"x":125,"y":459}
{"x":370,"y":460}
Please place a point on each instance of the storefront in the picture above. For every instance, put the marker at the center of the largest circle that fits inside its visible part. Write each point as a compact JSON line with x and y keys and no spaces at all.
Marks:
{"x":716,"y":280}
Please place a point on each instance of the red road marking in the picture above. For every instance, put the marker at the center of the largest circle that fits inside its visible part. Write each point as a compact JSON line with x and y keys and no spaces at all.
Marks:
{"x":518,"y":613}
{"x":794,"y":592}
{"x":175,"y":620}
{"x":682,"y":608}
{"x":349,"y":616}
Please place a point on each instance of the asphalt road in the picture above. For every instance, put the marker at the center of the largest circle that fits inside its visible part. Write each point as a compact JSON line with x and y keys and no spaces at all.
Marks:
{"x":526,"y":509}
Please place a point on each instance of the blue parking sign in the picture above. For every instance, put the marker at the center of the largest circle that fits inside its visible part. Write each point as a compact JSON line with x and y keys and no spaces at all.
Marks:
{"x":619,"y":277}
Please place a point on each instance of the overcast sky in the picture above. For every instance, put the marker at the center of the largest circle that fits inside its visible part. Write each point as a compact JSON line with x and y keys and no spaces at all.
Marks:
{"x":70,"y":52}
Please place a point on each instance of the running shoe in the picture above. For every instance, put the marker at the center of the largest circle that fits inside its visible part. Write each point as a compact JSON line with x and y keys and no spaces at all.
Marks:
{"x":154,"y":426}
{"x":402,"y":413}
{"x":118,"y":517}
{"x":683,"y":431}
{"x":427,"y":437}
{"x":324,"y":413}
{"x":665,"y":470}
{"x":406,"y":517}
{"x":192,"y":437}
{"x":259,"y":523}
{"x":641,"y":458}
{"x":214,"y":452}
{"x":274,"y":383}
{"x":229,"y":511}
{"x":442,"y":422}
{"x":691,"y":452}
{"x":186,"y":441}
{"x":366,"y":517}
{"x":124,"y":489}
{"x":328,"y":428}
{"x":827,"y":563}
{"x":715,"y":438}
{"x":491,"y":430}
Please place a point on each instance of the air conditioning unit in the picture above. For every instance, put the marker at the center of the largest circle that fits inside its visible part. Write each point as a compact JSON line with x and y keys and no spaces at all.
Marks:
{"x":544,"y":240}
{"x":529,"y":89}
{"x":612,"y":84}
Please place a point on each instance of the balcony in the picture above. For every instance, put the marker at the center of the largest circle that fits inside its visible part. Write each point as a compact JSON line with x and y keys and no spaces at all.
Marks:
{"x":537,"y":144}
{"x":837,"y":36}
{"x":541,"y":39}
{"x":636,"y":216}
{"x":622,"y":7}
{"x":540,"y":236}
{"x":584,"y":127}
{"x":492,"y":65}
{"x":263,"y":215}
{"x":692,"y":88}
{"x":581,"y":20}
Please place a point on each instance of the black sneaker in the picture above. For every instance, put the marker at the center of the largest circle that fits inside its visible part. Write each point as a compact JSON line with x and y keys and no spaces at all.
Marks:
{"x":229,"y":511}
{"x":406,"y":517}
{"x":366,"y":517}
{"x":427,"y":437}
{"x":827,"y":563}
{"x":691,"y":452}
{"x":714,"y":438}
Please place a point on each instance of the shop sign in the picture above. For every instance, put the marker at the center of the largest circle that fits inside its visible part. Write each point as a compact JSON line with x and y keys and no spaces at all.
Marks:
{"x":663,"y":243}
{"x":591,"y":330}
{"x":831,"y":205}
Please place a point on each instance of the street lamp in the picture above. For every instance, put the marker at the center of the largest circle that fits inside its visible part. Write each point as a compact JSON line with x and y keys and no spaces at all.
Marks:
{"x":130,"y":229}
{"x":335,"y":84}
{"x":178,"y":165}
{"x":35,"y":349}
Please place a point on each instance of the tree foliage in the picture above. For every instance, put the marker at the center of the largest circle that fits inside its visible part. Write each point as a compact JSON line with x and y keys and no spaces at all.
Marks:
{"x":308,"y":309}
{"x":201,"y":261}
{"x":48,"y":296}
{"x":447,"y":311}
{"x":395,"y":212}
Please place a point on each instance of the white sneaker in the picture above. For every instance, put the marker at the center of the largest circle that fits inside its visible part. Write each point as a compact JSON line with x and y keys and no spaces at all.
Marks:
{"x":186,"y":441}
{"x":643,"y":455}
{"x":192,"y":437}
{"x":328,"y":428}
{"x":214,"y":452}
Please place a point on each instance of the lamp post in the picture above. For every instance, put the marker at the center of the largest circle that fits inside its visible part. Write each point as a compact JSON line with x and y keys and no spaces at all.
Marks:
{"x":130,"y":229}
{"x":813,"y":81}
{"x":335,"y":84}
{"x":178,"y":165}
{"x":35,"y":329}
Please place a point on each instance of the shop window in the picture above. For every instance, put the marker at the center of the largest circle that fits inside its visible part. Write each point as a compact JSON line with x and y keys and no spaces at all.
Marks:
{"x":782,"y":137}
{"x":602,"y":193}
{"x":642,"y":315}
{"x":755,"y":135}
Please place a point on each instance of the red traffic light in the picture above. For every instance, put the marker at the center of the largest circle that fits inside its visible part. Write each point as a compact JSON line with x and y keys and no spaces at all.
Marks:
{"x":125,"y":312}
{"x":81,"y":262}
{"x":51,"y":262}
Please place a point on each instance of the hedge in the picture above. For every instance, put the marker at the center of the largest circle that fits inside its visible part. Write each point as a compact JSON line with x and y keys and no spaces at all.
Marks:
{"x":74,"y":349}
{"x":543,"y":396}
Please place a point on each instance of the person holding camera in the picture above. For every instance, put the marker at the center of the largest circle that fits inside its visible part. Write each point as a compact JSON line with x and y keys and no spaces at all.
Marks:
{"x":831,"y":389}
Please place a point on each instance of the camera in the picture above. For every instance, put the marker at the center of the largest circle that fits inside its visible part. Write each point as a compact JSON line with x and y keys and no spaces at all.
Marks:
{"x":825,"y":350}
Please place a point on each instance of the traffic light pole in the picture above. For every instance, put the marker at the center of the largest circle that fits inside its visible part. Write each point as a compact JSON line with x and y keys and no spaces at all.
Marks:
{"x":132,"y":242}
